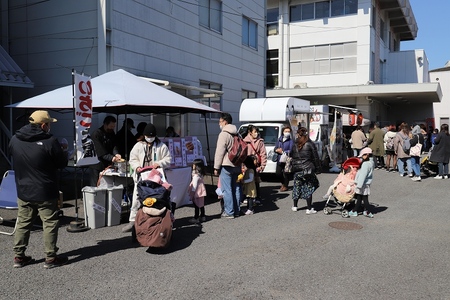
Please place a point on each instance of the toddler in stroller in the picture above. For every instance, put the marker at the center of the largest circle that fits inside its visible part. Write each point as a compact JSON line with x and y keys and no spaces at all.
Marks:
{"x":153,"y":224}
{"x":342,"y":191}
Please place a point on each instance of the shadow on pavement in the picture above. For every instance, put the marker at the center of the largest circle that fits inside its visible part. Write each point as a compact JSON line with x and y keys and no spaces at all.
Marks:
{"x":101,"y":248}
{"x":182,"y":238}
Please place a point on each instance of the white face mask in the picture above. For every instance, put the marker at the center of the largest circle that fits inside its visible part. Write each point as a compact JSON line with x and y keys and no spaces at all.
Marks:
{"x":286,"y":134}
{"x":221,"y":127}
{"x":150,"y":139}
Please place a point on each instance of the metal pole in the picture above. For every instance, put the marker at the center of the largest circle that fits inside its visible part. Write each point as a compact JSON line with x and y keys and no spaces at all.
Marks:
{"x":207,"y":148}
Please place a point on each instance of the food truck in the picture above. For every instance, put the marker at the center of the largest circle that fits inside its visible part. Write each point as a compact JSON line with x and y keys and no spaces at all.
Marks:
{"x":270,"y":114}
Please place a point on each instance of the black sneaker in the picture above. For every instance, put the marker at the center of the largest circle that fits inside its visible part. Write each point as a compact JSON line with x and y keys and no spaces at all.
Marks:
{"x":55,"y":262}
{"x":20,"y":262}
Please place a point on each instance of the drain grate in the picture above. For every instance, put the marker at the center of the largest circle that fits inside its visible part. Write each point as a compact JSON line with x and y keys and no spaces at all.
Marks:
{"x":345,"y":225}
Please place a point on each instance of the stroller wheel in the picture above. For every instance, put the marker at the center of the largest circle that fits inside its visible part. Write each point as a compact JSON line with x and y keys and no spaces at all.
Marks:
{"x":344,"y":213}
{"x":327,"y":210}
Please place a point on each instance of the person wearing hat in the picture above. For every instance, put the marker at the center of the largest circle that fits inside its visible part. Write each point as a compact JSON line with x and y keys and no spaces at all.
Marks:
{"x":105,"y":144}
{"x":139,"y":136}
{"x":363,"y":180}
{"x":125,"y":138}
{"x":37,"y":156}
{"x":150,"y":152}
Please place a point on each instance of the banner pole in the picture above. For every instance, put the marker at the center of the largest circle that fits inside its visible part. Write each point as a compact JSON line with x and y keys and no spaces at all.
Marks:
{"x":75,"y":226}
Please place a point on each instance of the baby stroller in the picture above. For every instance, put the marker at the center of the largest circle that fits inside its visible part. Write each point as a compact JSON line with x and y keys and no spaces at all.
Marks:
{"x":153,"y":223}
{"x":343,"y":188}
{"x":428,"y":167}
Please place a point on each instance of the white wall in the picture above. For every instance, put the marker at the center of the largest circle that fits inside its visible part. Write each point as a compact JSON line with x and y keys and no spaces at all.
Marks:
{"x":151,"y":38}
{"x":165,"y":41}
{"x":407,"y":67}
{"x":442,"y":109}
{"x":342,"y":29}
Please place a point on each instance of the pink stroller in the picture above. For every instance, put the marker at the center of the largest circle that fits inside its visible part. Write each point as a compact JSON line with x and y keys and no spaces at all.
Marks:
{"x":343,"y":189}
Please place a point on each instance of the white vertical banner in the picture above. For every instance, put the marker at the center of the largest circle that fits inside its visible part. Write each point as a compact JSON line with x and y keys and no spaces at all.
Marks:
{"x":333,"y":139}
{"x":85,"y":151}
{"x":334,"y":145}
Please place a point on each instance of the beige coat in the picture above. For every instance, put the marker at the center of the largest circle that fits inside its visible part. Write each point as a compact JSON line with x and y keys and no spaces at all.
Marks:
{"x":358,"y":138}
{"x":224,"y":144}
{"x":398,"y":145}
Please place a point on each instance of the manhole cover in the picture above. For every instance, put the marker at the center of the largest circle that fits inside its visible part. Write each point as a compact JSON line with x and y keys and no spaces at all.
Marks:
{"x":345,"y":225}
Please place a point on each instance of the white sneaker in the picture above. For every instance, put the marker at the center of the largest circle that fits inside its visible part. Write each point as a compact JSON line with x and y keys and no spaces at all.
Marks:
{"x":438,"y":177}
{"x":311,"y":211}
{"x":445,"y":176}
{"x":249,"y":212}
{"x":294,"y":208}
{"x":416,"y":178}
{"x":410,"y":175}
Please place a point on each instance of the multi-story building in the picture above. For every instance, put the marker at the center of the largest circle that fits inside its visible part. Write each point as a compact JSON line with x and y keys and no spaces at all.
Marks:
{"x":209,"y":50}
{"x":347,"y":52}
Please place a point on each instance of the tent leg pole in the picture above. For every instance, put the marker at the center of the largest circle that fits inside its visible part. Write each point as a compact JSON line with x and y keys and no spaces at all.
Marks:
{"x":207,"y":148}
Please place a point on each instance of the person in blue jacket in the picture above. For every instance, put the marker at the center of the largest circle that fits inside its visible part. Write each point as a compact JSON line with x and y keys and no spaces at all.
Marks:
{"x":284,"y":144}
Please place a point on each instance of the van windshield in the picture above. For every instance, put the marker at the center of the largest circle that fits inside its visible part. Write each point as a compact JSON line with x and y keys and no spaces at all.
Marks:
{"x":268,"y":133}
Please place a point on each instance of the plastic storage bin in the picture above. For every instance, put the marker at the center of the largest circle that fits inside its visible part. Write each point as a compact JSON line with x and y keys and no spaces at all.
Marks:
{"x":94,"y":200}
{"x":114,"y":205}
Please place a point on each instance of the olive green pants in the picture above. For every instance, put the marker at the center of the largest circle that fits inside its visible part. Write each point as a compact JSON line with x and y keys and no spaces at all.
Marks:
{"x":27,"y":213}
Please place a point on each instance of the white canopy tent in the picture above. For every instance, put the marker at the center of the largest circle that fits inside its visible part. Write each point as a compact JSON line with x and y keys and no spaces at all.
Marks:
{"x":119,"y":92}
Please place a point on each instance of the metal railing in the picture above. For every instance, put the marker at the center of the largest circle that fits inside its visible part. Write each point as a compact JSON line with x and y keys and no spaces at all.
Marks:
{"x":5,"y":137}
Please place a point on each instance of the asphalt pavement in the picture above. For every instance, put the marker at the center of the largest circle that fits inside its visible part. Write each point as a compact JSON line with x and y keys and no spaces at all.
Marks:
{"x":402,"y":253}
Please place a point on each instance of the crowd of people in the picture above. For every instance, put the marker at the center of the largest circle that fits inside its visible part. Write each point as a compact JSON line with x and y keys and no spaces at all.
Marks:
{"x":401,"y":148}
{"x":38,"y":156}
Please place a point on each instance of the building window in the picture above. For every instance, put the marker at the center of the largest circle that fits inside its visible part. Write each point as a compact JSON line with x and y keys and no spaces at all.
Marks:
{"x":210,"y":14}
{"x":248,"y":94}
{"x":272,"y":21}
{"x":323,"y":59}
{"x":322,"y":9}
{"x":382,"y":31}
{"x":214,"y":102}
{"x":249,"y":33}
{"x":272,"y":68}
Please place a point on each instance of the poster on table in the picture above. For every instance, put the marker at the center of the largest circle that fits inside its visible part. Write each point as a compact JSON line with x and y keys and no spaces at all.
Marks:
{"x":183,"y":150}
{"x":84,"y":146}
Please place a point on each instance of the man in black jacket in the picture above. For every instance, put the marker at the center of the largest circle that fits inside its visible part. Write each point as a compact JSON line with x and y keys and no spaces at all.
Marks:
{"x":37,"y":156}
{"x":105,"y":144}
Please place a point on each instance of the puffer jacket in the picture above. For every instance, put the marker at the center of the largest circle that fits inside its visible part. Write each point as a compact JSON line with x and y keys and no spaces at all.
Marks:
{"x":305,"y":159}
{"x":365,"y":173}
{"x":224,"y":144}
{"x":37,"y":156}
{"x":287,"y":145}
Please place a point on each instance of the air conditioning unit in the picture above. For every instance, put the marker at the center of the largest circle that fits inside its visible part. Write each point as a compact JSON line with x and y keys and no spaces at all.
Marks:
{"x":300,"y":85}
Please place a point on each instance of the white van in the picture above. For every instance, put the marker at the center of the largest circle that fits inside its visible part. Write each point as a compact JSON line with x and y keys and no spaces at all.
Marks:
{"x":270,"y":115}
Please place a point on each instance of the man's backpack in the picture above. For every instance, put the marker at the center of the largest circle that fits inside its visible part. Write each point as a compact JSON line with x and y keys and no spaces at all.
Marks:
{"x":238,"y":152}
{"x":390,"y":143}
{"x":406,"y":145}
